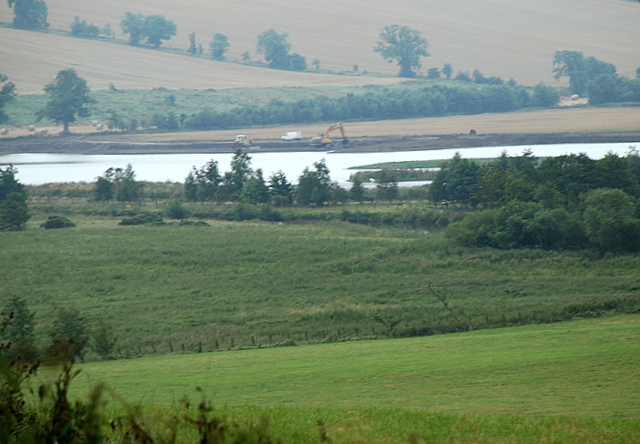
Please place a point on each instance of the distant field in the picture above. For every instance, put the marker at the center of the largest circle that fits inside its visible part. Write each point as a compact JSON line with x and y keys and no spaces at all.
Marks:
{"x":548,"y":121}
{"x":510,"y":39}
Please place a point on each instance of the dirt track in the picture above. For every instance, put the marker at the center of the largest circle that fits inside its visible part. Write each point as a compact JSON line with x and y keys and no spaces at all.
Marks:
{"x":93,"y":145}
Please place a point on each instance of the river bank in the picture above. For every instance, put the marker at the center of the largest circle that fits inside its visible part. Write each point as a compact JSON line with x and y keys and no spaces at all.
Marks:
{"x":105,"y":145}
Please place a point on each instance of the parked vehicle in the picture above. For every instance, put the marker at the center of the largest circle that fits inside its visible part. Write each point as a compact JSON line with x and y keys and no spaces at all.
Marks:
{"x":292,"y":135}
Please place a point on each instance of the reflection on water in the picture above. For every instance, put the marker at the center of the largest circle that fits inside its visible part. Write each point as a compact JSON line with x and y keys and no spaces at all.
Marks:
{"x":36,"y":169}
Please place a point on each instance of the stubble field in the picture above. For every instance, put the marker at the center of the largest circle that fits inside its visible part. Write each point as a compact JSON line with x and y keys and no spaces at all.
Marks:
{"x":510,"y":39}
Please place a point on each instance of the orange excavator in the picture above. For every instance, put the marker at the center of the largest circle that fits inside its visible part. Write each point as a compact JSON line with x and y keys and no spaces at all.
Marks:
{"x":323,"y":138}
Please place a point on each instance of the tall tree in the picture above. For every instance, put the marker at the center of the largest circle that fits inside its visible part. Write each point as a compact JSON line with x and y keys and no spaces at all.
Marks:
{"x":69,"y":98}
{"x":357,"y":191}
{"x":405,"y":46}
{"x":193,"y":46}
{"x":387,"y":186}
{"x":133,"y":24}
{"x":14,"y":212}
{"x":610,"y":220}
{"x":219,"y":45}
{"x":314,"y":187}
{"x":255,"y":190}
{"x":280,"y":189}
{"x":579,"y":69}
{"x":128,"y":190}
{"x":7,"y":94}
{"x":157,"y":28}
{"x":275,"y":48}
{"x":29,"y":14}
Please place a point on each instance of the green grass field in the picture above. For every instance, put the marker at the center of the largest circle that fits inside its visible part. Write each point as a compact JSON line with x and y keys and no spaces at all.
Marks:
{"x":293,"y":321}
{"x":570,"y":382}
{"x":250,"y":284}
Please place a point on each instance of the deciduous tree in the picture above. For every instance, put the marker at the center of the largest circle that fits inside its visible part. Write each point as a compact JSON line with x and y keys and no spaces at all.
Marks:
{"x":7,"y":94}
{"x":275,"y":48}
{"x":403,"y":45}
{"x":69,"y":98}
{"x":133,"y":24}
{"x":219,"y":45}
{"x":157,"y":28}
{"x":29,"y":14}
{"x":14,"y":212}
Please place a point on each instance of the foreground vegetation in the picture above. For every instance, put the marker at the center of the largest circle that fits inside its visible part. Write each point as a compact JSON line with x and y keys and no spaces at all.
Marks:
{"x":569,"y":383}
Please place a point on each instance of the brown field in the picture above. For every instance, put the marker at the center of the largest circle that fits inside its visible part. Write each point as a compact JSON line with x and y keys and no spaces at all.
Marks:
{"x":506,"y":38}
{"x":567,"y":120}
{"x":550,"y":121}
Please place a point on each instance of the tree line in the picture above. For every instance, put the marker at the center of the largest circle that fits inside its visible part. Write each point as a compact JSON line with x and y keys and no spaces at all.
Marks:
{"x":564,"y":202}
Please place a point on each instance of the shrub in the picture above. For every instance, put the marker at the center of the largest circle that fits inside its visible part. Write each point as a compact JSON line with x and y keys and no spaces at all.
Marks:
{"x":175,"y":210}
{"x":142,"y":219}
{"x":57,"y":222}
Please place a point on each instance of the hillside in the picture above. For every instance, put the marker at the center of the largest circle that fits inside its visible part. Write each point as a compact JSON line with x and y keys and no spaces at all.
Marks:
{"x":499,"y":37}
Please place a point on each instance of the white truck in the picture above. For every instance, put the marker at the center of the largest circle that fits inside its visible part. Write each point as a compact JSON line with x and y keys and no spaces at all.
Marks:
{"x":292,"y":135}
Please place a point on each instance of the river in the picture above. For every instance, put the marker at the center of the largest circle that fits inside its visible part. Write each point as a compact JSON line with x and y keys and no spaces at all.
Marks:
{"x":37,"y":169}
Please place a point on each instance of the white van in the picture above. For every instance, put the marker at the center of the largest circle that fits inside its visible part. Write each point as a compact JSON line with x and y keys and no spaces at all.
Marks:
{"x":292,"y":135}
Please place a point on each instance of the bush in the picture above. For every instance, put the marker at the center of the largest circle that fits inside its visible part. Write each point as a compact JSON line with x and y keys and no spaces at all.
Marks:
{"x":57,"y":222}
{"x":175,"y":210}
{"x":142,"y":219}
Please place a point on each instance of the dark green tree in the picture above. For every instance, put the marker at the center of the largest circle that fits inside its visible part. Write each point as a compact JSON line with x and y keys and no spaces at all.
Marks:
{"x":21,"y":330}
{"x":275,"y":48}
{"x":296,"y":62}
{"x":29,"y":14}
{"x":579,"y":69}
{"x":14,"y":212}
{"x":403,"y":45}
{"x":219,"y":45}
{"x":127,"y":189}
{"x":433,"y":73}
{"x":611,"y":222}
{"x":103,"y":339}
{"x":607,"y":88}
{"x":202,"y":184}
{"x":386,"y":186}
{"x":240,"y":172}
{"x":68,"y":324}
{"x":157,"y":28}
{"x":314,"y":186}
{"x":544,"y":96}
{"x":104,"y":186}
{"x":357,"y":191}
{"x":7,"y":95}
{"x":457,"y":181}
{"x":255,"y":190}
{"x":447,"y":71}
{"x":80,"y":28}
{"x":69,"y":98}
{"x":133,"y":24}
{"x":571,"y":175}
{"x":280,"y":189}
{"x":193,"y":45}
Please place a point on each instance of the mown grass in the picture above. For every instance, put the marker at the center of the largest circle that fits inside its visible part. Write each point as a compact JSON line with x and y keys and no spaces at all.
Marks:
{"x":572,"y":382}
{"x":251,"y":284}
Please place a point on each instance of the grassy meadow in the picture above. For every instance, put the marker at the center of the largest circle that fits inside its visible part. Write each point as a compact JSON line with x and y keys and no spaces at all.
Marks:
{"x":234,"y":285}
{"x":567,"y":383}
